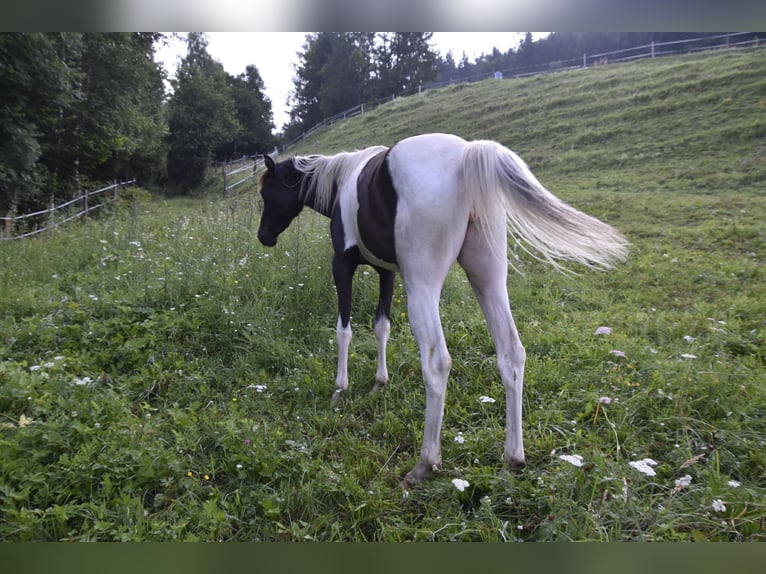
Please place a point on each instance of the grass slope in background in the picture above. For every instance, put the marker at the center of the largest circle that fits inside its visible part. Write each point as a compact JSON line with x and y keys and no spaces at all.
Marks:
{"x":165,"y":377}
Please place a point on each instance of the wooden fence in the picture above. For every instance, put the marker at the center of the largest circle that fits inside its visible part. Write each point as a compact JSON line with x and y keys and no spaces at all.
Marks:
{"x":46,"y":219}
{"x":237,"y":172}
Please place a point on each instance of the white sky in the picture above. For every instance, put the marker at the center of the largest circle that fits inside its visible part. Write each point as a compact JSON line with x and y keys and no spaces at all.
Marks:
{"x":275,"y":55}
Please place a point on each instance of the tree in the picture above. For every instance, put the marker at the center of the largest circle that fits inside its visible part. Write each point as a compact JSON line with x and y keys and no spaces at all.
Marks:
{"x":525,"y":54}
{"x":75,"y":108}
{"x":343,"y":74}
{"x":447,"y":69}
{"x":32,"y":89}
{"x":254,"y":114}
{"x":122,"y":114}
{"x":331,"y":76}
{"x":404,"y":61}
{"x":201,"y":115}
{"x":338,"y":71}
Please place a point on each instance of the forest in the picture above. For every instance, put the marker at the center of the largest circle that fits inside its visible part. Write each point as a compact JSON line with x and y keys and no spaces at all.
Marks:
{"x":79,"y":109}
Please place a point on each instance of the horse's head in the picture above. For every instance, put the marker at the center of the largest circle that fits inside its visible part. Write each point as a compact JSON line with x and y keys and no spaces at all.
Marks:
{"x":281,"y":191}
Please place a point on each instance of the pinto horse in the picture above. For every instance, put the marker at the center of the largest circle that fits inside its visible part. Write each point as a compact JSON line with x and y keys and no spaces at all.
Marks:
{"x":416,"y":208}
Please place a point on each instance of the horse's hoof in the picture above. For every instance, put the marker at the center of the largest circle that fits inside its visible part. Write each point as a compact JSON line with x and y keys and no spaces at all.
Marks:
{"x":418,"y":474}
{"x":515,"y":466}
{"x":337,"y":398}
{"x":377,"y":387}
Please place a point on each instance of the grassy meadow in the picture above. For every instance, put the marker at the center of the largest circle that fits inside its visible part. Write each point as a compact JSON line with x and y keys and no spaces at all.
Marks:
{"x":163,"y":376}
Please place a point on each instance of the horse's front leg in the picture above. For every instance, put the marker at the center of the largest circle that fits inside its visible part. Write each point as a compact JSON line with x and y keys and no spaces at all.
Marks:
{"x":383,"y":325}
{"x":343,"y":272}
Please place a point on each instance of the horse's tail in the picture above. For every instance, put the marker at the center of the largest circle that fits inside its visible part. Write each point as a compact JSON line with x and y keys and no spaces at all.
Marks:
{"x":499,"y":179}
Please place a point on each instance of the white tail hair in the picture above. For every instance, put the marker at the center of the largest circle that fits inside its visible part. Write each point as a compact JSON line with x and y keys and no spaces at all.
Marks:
{"x":499,"y":179}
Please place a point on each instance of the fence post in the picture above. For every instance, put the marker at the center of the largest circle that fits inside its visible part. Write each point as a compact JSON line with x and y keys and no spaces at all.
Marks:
{"x":223,"y":171}
{"x":8,"y":223}
{"x":652,"y":49}
{"x":584,"y":60}
{"x":52,"y":212}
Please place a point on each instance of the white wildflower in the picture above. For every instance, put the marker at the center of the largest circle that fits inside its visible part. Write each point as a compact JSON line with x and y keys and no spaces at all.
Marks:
{"x":718,"y":505}
{"x":684,"y":481}
{"x":574,"y":459}
{"x":688,"y":356}
{"x":617,"y":353}
{"x":486,"y":399}
{"x":645,"y":466}
{"x":689,"y":339}
{"x":460,"y":484}
{"x":603,"y":331}
{"x":734,"y":483}
{"x":604,"y":400}
{"x":460,"y":439}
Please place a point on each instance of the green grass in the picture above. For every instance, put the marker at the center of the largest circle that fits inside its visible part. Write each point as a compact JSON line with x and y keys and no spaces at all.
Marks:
{"x":165,"y":377}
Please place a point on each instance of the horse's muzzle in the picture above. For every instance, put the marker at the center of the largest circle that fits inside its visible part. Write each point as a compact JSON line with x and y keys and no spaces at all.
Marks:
{"x":267,"y":239}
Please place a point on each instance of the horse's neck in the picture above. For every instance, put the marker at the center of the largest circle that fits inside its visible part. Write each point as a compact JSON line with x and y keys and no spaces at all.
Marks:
{"x":326,"y":205}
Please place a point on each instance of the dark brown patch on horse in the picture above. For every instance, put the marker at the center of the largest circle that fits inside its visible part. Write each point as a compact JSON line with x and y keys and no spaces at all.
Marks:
{"x":377,"y":208}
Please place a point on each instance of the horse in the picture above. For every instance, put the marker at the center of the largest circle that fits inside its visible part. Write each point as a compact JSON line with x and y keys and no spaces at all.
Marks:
{"x":416,"y":208}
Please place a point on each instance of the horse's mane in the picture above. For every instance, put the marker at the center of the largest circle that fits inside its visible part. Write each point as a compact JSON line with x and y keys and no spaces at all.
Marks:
{"x":326,"y":172}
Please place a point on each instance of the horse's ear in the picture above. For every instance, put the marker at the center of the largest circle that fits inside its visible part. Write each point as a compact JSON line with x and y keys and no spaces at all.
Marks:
{"x":270,"y":165}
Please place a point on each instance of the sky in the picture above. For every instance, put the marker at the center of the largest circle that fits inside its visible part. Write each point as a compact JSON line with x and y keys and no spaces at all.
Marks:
{"x":275,"y":55}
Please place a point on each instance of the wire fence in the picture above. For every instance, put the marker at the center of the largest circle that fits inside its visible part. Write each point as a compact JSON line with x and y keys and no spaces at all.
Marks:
{"x":651,"y":50}
{"x":46,"y":219}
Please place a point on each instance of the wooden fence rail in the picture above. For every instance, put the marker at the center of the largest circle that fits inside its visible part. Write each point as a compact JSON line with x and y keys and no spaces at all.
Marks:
{"x":247,"y":165}
{"x":51,"y":222}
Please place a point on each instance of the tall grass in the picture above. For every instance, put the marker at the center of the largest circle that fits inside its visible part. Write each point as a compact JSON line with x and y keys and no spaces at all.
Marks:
{"x":165,"y":377}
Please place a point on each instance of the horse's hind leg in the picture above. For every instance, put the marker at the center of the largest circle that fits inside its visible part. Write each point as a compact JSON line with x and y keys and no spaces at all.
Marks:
{"x":487,"y":270}
{"x":383,"y":325}
{"x":423,"y":306}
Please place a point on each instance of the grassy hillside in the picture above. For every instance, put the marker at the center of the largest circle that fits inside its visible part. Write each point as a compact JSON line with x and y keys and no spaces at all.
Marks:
{"x":163,"y":376}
